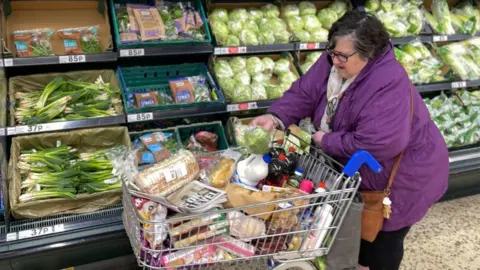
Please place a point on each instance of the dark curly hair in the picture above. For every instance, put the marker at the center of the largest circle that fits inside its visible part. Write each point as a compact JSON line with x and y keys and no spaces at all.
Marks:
{"x":367,"y":32}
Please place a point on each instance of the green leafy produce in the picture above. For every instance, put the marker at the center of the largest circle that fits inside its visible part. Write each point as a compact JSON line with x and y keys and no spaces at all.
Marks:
{"x":268,"y":65}
{"x":400,"y":18}
{"x":311,"y":22}
{"x":258,"y":91}
{"x":219,"y":14}
{"x":261,"y":78}
{"x":327,"y":17}
{"x":313,"y":56}
{"x":295,"y":23}
{"x":271,"y":11}
{"x":307,"y":8}
{"x":251,"y":25}
{"x":319,"y":35}
{"x":303,"y":36}
{"x":441,"y":13}
{"x":266,"y":38}
{"x":228,"y":86}
{"x":257,"y":140}
{"x":237,"y":64}
{"x":462,"y":58}
{"x":220,"y":30}
{"x":63,"y":100}
{"x":239,"y":14}
{"x":232,"y":41}
{"x":249,"y":38}
{"x":291,"y":10}
{"x":282,"y":65}
{"x":256,"y":14}
{"x":243,"y":93}
{"x":287,"y":77}
{"x":242,"y":78}
{"x":254,"y":66}
{"x":223,"y":69}
{"x":275,"y":91}
{"x":235,"y":27}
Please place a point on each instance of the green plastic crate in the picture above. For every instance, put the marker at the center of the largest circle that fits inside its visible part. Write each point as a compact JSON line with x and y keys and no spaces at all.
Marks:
{"x":155,"y":78}
{"x":158,"y":43}
{"x":215,"y":127}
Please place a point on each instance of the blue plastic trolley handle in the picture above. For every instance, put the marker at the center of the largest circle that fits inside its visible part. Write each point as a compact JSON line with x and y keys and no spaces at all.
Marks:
{"x":358,"y":159}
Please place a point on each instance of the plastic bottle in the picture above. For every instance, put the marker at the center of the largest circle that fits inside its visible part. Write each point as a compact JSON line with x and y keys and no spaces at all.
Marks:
{"x":277,"y":148}
{"x":321,"y":188}
{"x":253,"y":169}
{"x":278,"y":171}
{"x":292,"y":157}
{"x":322,"y":220}
{"x":295,"y":180}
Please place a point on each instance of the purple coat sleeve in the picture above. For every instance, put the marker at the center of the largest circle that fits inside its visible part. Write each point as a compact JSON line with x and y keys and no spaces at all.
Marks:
{"x":302,"y":98}
{"x":382,"y":128}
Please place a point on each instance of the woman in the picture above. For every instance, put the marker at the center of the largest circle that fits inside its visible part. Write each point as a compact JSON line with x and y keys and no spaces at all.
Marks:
{"x":369,"y":102}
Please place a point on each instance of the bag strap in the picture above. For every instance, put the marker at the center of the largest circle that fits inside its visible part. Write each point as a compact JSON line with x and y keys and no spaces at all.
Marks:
{"x":399,"y":156}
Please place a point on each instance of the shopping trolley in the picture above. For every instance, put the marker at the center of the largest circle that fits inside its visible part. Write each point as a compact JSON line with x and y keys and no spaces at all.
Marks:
{"x":290,"y":230}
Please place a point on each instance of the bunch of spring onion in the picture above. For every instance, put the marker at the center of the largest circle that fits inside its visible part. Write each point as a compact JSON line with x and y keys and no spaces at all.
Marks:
{"x":63,"y":100}
{"x":61,"y":172}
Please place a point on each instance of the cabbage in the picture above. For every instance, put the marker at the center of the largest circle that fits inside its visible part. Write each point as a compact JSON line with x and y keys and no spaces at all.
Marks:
{"x":232,"y":41}
{"x":305,"y":67}
{"x":242,"y":78}
{"x":266,"y":38}
{"x":257,"y":140}
{"x":271,"y":11}
{"x":219,"y":14}
{"x":303,"y":36}
{"x":235,"y":27}
{"x":258,"y":91}
{"x":291,"y":10}
{"x":239,"y":14}
{"x":251,"y":25}
{"x":327,"y":17}
{"x":313,"y":57}
{"x":307,"y":8}
{"x":238,"y":64}
{"x":340,"y":7}
{"x":261,"y":78}
{"x":242,"y":93}
{"x":282,"y":36}
{"x":319,"y":35}
{"x":282,"y":65}
{"x":254,"y":65}
{"x":275,"y":91}
{"x":272,"y":25}
{"x":372,"y":5}
{"x":268,"y":65}
{"x":287,"y":77}
{"x":311,"y":22}
{"x":220,"y":30}
{"x":295,"y":23}
{"x":248,"y":38}
{"x":223,"y":69}
{"x":228,"y":86}
{"x":255,"y":14}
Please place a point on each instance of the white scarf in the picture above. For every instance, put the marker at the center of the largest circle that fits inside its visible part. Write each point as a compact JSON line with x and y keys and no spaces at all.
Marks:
{"x":335,"y":88}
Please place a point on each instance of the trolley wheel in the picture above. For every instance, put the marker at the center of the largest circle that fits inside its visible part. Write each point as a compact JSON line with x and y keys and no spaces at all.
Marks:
{"x":295,"y":266}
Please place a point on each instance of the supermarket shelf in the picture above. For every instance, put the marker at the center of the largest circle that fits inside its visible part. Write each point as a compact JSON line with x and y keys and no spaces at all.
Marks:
{"x":446,"y":86}
{"x":176,"y":113}
{"x":310,"y":46}
{"x":64,"y":59}
{"x":61,"y":126}
{"x":262,"y":104}
{"x":465,"y":160}
{"x":404,"y":40}
{"x":166,"y":50}
{"x":254,"y":49}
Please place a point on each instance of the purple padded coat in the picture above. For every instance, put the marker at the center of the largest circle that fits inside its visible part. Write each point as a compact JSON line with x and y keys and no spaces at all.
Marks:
{"x":374,"y":115}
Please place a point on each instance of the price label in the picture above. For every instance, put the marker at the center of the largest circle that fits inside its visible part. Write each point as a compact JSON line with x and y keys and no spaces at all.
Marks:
{"x":2,"y":132}
{"x":440,"y":38}
{"x":40,"y":231}
{"x":230,"y":50}
{"x":242,"y":107}
{"x":138,"y":117}
{"x":11,"y":236}
{"x":309,"y":46}
{"x":65,"y":59}
{"x":132,"y":52}
{"x":459,"y":84}
{"x":31,"y":128}
{"x":11,"y":131}
{"x":8,"y":62}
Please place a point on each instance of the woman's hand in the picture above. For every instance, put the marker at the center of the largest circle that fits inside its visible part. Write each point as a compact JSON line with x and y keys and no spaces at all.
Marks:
{"x":317,"y":137}
{"x":266,"y":121}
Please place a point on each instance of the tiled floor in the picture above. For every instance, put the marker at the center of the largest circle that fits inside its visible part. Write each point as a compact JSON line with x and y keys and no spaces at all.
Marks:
{"x":447,"y":238}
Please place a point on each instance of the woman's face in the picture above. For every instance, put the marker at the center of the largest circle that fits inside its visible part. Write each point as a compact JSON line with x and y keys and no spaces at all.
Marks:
{"x":345,"y":50}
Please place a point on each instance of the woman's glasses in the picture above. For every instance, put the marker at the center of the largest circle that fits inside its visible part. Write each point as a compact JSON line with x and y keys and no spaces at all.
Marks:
{"x":342,"y":58}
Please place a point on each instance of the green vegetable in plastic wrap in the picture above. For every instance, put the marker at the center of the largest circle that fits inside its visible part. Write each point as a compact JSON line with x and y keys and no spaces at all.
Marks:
{"x":327,"y":17}
{"x":266,"y":38}
{"x":282,"y":65}
{"x":340,"y":7}
{"x":223,"y":69}
{"x":249,"y":38}
{"x":291,"y":10}
{"x":220,"y":30}
{"x":415,"y":20}
{"x":287,"y":77}
{"x":282,"y":36}
{"x":311,"y":22}
{"x":319,"y":35}
{"x":261,"y":78}
{"x":295,"y":23}
{"x":313,"y":56}
{"x":303,"y":36}
{"x":242,"y":78}
{"x":271,"y":11}
{"x":251,"y":25}
{"x":258,"y":91}
{"x":256,"y":14}
{"x":268,"y":65}
{"x":243,"y":93}
{"x":404,"y":58}
{"x":235,"y":27}
{"x":443,"y":17}
{"x":219,"y":14}
{"x":228,"y":86}
{"x":232,"y":41}
{"x":257,"y":140}
{"x":238,"y":14}
{"x":464,"y":24}
{"x":307,"y":8}
{"x":372,"y":5}
{"x":254,"y":66}
{"x":238,"y":64}
{"x":305,"y":67}
{"x":275,"y":91}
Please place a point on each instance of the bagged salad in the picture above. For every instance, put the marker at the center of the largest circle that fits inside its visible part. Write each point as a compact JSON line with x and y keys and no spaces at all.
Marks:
{"x":34,"y":42}
{"x":80,"y":40}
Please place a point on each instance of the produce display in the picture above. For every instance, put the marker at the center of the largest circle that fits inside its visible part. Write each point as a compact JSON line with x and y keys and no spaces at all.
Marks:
{"x":63,"y":172}
{"x":249,"y":27}
{"x":33,"y":42}
{"x":463,"y":58}
{"x":400,"y":18}
{"x":310,"y":59}
{"x":63,"y":100}
{"x":422,"y":67}
{"x":165,"y":21}
{"x":309,"y":26}
{"x":457,"y":117}
{"x":254,"y":78}
{"x":80,"y":40}
{"x":463,"y":19}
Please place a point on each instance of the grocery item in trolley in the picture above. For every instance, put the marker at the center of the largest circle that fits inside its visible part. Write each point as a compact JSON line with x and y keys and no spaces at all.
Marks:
{"x":186,"y":227}
{"x":239,"y":196}
{"x":198,"y":255}
{"x":197,"y":197}
{"x":155,"y":234}
{"x":235,"y":246}
{"x":243,"y":226}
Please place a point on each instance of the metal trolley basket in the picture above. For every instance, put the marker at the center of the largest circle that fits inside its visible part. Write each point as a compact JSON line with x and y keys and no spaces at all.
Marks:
{"x":290,"y":229}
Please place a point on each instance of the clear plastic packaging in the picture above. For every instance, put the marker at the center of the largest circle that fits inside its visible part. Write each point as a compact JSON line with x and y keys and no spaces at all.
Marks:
{"x":80,"y":40}
{"x":34,"y":42}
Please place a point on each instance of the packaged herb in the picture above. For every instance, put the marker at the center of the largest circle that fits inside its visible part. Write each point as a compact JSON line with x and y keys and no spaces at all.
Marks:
{"x":127,"y":34}
{"x":182,"y":90}
{"x":80,"y":40}
{"x":150,"y":23}
{"x":34,"y":42}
